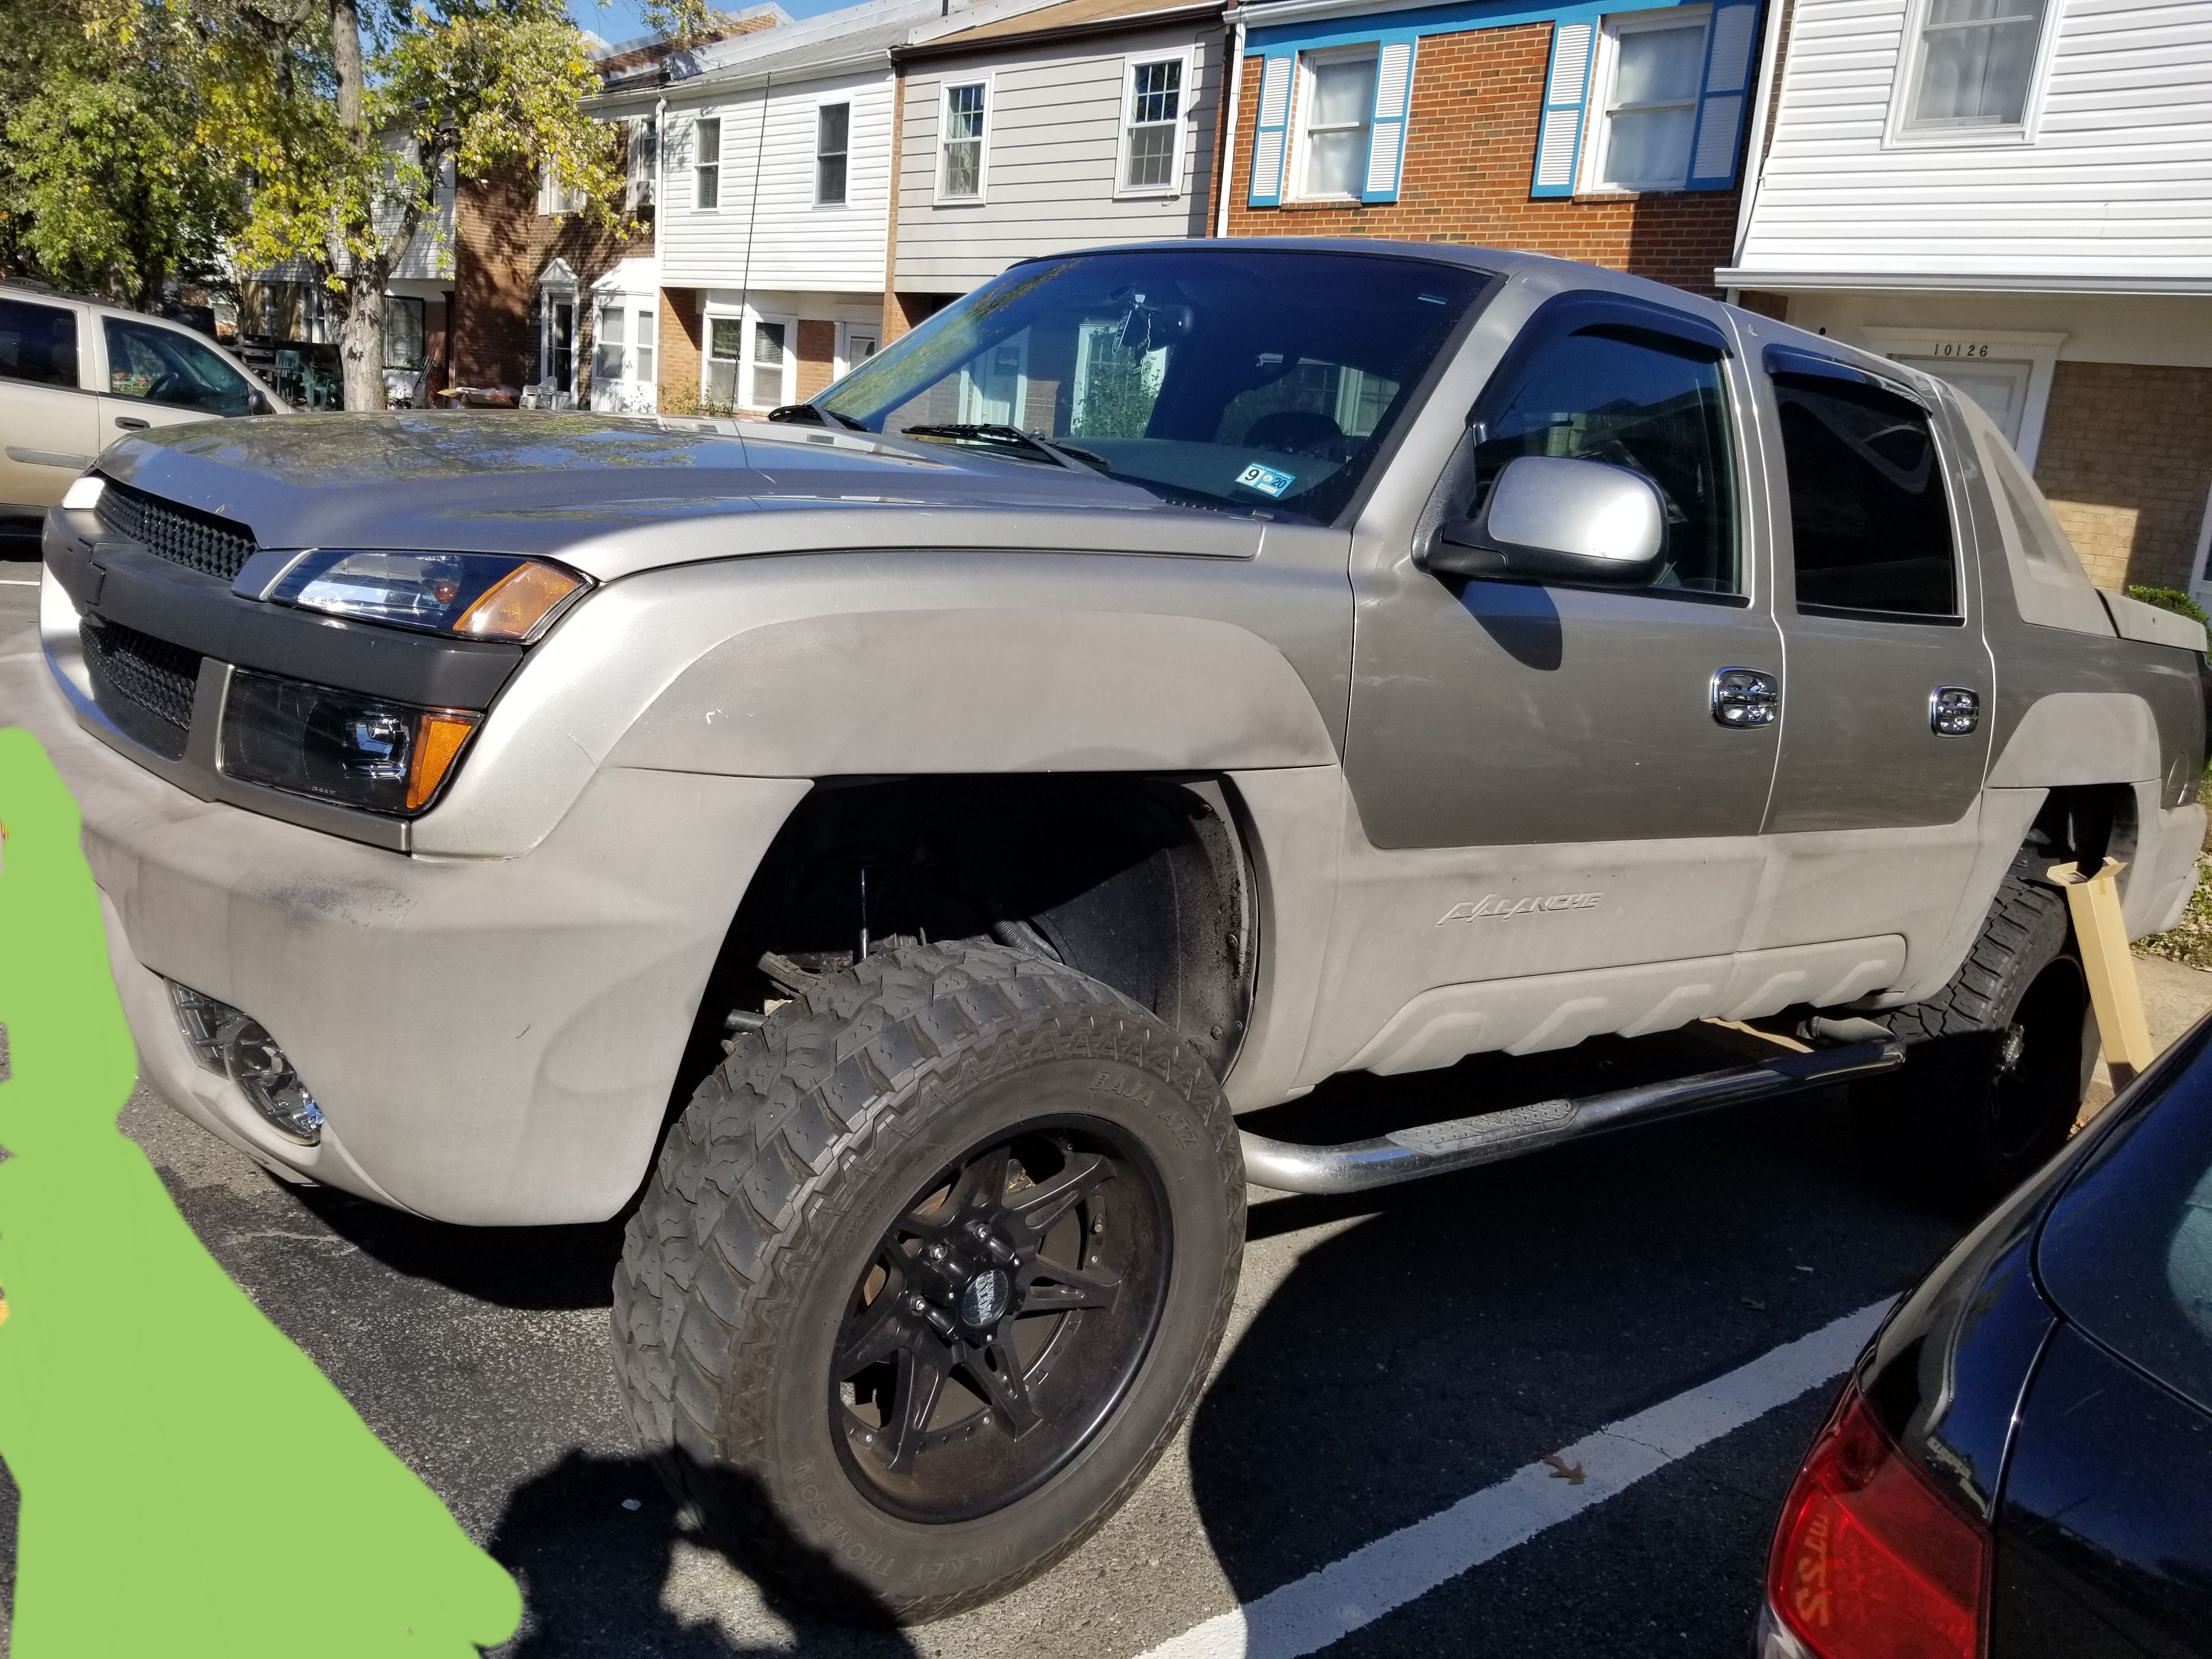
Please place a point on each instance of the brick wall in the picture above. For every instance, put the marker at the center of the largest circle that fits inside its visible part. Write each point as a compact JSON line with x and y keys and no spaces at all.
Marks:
{"x":905,"y":311}
{"x":682,"y":346}
{"x":1470,"y":148}
{"x":818,"y":357}
{"x":2126,"y":459}
{"x":501,"y":245}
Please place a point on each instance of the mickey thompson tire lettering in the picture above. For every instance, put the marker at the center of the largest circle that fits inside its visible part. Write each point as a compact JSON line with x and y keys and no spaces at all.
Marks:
{"x":776,"y":1185}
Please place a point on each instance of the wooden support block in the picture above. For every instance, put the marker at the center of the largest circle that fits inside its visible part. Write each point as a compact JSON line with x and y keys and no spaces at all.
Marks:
{"x":2101,"y":935}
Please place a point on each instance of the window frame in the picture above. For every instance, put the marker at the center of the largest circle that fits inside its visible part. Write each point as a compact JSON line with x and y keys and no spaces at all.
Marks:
{"x":748,"y":362}
{"x":1570,"y":313}
{"x":988,"y":84}
{"x":1179,"y":123}
{"x":1902,"y":132}
{"x":110,"y":324}
{"x":641,"y":163}
{"x":1599,"y":107}
{"x":1780,"y":361}
{"x":701,"y":170}
{"x":80,"y":349}
{"x":844,"y":197}
{"x":1302,"y":95}
{"x":555,"y":199}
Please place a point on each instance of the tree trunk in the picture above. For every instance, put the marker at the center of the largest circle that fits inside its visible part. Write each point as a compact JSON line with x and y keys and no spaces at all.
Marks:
{"x":361,"y":338}
{"x":361,"y":328}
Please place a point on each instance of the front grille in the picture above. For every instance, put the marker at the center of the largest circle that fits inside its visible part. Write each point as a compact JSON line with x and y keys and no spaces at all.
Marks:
{"x":198,"y":541}
{"x":143,"y":684}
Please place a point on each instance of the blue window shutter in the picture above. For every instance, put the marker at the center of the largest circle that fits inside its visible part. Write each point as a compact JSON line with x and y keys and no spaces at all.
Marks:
{"x":1566,"y":88}
{"x":1721,"y":104}
{"x":1386,"y":143}
{"x":1271,"y":135}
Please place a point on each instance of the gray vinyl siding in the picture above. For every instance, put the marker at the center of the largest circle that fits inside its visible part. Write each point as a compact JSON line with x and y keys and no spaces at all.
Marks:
{"x":1051,"y":148}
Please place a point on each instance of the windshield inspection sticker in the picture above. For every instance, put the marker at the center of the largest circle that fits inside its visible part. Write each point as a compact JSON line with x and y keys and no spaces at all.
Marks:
{"x":1266,"y":479}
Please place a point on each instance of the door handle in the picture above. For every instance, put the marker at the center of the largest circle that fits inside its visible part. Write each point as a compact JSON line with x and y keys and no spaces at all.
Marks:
{"x":1954,"y":711}
{"x":130,"y":423}
{"x":1744,"y":697}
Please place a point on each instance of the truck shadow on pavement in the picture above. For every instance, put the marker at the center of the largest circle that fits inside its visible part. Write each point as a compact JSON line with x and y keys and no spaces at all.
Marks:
{"x":1456,"y":1329}
{"x":599,"y":1579}
{"x":540,"y":1268}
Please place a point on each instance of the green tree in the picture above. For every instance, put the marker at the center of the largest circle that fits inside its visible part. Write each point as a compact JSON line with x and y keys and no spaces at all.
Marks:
{"x":102,"y":185}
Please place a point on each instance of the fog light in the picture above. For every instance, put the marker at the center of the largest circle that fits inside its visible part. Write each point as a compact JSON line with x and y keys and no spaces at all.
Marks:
{"x":226,"y":1040}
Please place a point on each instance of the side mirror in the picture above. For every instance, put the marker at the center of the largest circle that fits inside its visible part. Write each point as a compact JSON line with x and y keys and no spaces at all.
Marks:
{"x":1550,"y":518}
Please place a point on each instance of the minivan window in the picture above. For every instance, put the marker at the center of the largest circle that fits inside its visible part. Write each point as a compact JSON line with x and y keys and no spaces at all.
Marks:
{"x":1645,"y":401}
{"x":162,"y":366}
{"x":37,"y":343}
{"x":1868,"y":520}
{"x":1253,"y":380}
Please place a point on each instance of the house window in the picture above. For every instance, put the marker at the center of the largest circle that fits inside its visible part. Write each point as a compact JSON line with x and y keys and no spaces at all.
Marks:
{"x":609,"y":343}
{"x":1649,"y":68}
{"x":403,"y":332}
{"x":1154,"y":126}
{"x":726,"y":343}
{"x":644,"y":325}
{"x":833,"y":128}
{"x":1336,"y":107}
{"x":960,"y":168}
{"x":553,"y":196}
{"x":706,"y":163}
{"x":770,"y":366}
{"x":1976,"y":59}
{"x":640,"y":153}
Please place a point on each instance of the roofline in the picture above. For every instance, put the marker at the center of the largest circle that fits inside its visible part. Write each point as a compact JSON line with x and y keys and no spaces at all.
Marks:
{"x":1787,"y":282}
{"x":1263,"y":14}
{"x":735,"y":79}
{"x":1120,"y":23}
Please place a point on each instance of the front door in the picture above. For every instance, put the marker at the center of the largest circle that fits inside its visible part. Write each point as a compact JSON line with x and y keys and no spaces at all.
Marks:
{"x":49,"y":428}
{"x":1512,"y":741}
{"x":1885,"y":729}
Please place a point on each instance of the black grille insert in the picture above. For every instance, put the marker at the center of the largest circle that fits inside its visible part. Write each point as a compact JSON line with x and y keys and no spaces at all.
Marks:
{"x":183,"y":535}
{"x":143,"y":684}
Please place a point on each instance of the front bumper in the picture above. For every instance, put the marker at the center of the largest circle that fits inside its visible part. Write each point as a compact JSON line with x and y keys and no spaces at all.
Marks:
{"x":492,"y":1041}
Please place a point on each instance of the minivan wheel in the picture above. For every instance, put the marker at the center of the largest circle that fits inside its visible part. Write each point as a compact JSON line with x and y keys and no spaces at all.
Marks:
{"x":1998,"y":1062}
{"x":928,"y":1274}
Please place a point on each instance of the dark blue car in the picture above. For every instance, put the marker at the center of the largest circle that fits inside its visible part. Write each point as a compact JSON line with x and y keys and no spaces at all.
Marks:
{"x":2021,"y":1465}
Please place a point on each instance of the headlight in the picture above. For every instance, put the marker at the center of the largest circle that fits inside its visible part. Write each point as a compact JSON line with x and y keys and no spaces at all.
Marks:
{"x":339,"y":745}
{"x":483,"y":596}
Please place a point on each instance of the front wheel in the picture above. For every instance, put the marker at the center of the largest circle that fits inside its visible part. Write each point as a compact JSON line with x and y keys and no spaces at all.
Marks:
{"x":929,"y":1273}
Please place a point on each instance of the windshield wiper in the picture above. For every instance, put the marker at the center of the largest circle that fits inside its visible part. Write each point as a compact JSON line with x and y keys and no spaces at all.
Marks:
{"x":987,"y":432}
{"x":813,"y":414}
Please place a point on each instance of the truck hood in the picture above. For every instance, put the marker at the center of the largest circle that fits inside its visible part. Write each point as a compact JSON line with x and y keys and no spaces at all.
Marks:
{"x":613,"y":495}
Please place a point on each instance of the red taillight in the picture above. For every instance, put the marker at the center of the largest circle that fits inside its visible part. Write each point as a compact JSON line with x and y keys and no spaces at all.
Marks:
{"x":1870,"y":1562}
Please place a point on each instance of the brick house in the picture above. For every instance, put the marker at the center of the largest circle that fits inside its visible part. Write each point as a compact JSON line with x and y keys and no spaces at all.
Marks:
{"x":1613,"y":135}
{"x":2014,"y":198}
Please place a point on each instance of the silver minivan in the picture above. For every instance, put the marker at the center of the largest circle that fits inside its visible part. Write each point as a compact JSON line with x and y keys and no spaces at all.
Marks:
{"x":75,"y":375}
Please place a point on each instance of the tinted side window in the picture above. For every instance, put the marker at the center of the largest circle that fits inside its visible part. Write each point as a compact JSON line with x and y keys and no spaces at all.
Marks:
{"x":37,"y":343}
{"x":164,"y":367}
{"x":1867,"y":515}
{"x":1642,"y":401}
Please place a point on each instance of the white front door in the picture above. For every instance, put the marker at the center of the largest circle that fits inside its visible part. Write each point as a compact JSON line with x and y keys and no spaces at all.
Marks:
{"x":2001,"y":388}
{"x":994,"y":387}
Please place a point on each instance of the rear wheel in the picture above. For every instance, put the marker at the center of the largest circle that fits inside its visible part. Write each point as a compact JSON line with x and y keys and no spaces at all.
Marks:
{"x":1998,"y":1060}
{"x":928,"y":1274}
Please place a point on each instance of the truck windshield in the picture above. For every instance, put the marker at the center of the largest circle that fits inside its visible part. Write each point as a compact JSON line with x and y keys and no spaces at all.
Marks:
{"x":1260,"y":379}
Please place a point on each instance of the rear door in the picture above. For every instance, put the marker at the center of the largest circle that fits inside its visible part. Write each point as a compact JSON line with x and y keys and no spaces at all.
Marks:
{"x":157,"y":375}
{"x":1887,"y":681}
{"x":49,"y":423}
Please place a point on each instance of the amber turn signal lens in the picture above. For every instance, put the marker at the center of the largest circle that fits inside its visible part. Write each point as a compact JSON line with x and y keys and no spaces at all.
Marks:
{"x":517,"y":602}
{"x":439,"y":736}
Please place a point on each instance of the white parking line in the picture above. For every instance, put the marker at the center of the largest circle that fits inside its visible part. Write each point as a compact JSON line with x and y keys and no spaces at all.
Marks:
{"x":1310,"y":1613}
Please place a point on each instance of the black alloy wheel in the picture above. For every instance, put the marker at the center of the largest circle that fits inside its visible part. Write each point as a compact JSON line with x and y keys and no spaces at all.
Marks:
{"x":1000,"y":1320}
{"x":2039,"y":1064}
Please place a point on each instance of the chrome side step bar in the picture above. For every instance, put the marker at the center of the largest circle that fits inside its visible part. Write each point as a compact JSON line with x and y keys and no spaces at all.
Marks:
{"x":1492,"y":1137}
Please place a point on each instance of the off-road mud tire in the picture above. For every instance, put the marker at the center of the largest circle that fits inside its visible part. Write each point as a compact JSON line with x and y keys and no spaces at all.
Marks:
{"x":1960,"y":1119}
{"x":789,"y":1160}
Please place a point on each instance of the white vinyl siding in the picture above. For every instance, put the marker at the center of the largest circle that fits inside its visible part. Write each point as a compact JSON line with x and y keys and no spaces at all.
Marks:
{"x":2114,"y":184}
{"x":1055,"y":157}
{"x":796,"y":245}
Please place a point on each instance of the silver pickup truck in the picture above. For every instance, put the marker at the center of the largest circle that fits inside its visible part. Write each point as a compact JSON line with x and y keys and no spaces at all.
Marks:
{"x":882,"y":848}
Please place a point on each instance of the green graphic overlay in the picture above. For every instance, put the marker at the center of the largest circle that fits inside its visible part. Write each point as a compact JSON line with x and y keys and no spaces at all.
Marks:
{"x":192,"y":1485}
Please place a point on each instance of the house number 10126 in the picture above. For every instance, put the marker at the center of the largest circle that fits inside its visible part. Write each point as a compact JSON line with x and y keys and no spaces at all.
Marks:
{"x":1960,"y":348}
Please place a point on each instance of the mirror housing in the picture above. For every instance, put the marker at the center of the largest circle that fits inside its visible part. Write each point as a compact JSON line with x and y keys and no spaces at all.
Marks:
{"x":1551,"y":519}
